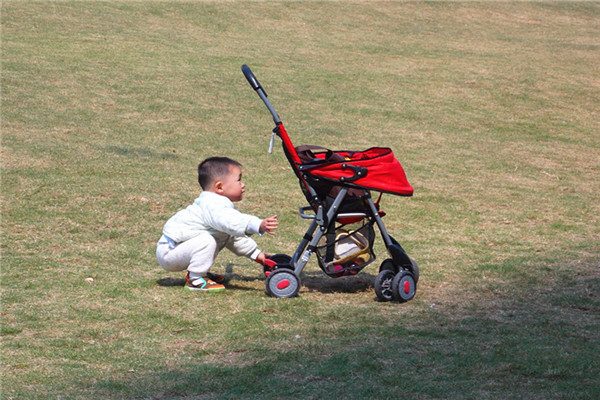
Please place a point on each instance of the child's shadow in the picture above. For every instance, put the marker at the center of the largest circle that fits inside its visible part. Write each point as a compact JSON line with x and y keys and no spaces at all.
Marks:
{"x":230,"y":277}
{"x":170,"y":281}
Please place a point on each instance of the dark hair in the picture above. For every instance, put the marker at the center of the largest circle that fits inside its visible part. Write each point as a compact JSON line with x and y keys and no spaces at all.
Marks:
{"x":214,"y":168}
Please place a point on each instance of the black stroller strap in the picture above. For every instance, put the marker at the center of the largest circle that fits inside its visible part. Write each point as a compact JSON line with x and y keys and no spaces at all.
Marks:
{"x":330,"y":240}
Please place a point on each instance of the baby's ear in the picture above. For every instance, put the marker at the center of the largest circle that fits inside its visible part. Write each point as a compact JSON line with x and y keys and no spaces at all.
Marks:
{"x":217,"y":185}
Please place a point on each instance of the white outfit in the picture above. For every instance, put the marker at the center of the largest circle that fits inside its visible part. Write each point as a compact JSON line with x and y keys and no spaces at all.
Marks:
{"x":194,"y":236}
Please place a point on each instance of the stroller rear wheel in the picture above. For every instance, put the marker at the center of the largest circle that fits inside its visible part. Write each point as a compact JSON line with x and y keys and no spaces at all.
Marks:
{"x":404,"y":286}
{"x":280,"y":260}
{"x":283,"y":283}
{"x":383,"y":284}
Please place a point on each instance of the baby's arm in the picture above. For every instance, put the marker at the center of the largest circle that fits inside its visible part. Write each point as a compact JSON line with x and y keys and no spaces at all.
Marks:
{"x":239,"y":244}
{"x":268,"y":225}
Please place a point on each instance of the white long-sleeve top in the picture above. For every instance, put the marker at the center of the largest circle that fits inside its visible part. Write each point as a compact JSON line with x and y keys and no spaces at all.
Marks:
{"x":216,"y":215}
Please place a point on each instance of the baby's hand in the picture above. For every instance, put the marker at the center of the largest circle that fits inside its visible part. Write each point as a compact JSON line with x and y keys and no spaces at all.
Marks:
{"x":261,"y":258}
{"x":269,"y":225}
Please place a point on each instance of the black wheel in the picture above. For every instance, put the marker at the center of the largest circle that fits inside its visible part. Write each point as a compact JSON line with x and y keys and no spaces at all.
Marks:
{"x":387,"y":264}
{"x":280,"y":260}
{"x":383,"y":285}
{"x":404,"y":286}
{"x":415,"y":270}
{"x":283,"y":283}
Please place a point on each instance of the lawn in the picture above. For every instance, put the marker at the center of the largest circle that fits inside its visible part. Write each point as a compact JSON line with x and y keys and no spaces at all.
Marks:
{"x":491,"y":107}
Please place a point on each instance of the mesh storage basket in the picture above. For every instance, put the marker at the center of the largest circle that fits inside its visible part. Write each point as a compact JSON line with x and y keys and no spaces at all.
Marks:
{"x":347,"y":250}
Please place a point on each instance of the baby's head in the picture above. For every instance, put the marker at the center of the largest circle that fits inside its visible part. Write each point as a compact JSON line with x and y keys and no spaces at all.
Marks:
{"x":223,"y":176}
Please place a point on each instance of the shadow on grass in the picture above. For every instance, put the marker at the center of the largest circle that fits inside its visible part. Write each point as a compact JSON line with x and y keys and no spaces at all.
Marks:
{"x":554,"y":357}
{"x":312,"y":280}
{"x":170,"y":281}
{"x":317,"y":281}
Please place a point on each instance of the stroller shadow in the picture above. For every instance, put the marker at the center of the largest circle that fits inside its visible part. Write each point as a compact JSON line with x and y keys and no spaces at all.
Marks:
{"x":314,"y":281}
{"x":319,"y":282}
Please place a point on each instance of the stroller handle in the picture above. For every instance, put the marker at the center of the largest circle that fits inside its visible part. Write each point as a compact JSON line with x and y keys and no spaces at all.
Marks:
{"x":251,"y":78}
{"x":261,"y":92}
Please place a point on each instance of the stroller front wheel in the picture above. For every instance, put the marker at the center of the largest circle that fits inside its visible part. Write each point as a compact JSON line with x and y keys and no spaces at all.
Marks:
{"x":283,"y":283}
{"x":404,"y":286}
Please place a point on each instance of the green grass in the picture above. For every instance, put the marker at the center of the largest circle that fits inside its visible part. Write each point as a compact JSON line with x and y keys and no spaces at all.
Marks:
{"x":107,"y":107}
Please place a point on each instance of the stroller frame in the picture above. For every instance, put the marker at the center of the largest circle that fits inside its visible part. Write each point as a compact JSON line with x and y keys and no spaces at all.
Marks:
{"x":398,"y":275}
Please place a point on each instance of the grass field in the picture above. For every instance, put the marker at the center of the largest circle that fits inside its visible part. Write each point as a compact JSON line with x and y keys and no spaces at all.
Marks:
{"x":491,"y":107}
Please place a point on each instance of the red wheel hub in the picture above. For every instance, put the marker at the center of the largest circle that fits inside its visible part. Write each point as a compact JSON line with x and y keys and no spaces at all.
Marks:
{"x":283,"y":284}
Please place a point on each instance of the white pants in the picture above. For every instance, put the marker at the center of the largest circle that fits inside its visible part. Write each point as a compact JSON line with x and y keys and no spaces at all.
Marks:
{"x":196,"y":255}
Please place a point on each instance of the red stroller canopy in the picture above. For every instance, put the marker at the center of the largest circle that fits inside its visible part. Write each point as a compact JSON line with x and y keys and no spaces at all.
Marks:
{"x":375,"y":168}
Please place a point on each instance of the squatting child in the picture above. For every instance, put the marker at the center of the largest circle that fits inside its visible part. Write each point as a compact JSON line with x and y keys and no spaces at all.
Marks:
{"x":194,"y":236}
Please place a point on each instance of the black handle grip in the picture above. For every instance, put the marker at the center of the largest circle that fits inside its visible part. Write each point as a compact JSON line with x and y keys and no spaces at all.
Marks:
{"x":260,"y":91}
{"x":251,"y":78}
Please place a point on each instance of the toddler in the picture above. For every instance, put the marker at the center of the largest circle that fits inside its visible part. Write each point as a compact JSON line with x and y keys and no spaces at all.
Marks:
{"x":194,"y":236}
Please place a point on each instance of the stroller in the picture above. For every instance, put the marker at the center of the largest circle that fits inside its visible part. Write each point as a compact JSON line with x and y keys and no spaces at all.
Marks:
{"x":337,"y":186}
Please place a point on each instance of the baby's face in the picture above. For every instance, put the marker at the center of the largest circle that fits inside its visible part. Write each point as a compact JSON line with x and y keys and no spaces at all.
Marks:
{"x":233,"y":187}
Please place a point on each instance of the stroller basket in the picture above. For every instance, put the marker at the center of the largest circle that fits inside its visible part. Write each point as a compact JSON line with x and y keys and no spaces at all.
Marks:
{"x":346,"y":250}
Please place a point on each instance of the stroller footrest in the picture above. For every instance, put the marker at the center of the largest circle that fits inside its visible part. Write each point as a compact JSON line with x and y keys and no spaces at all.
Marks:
{"x":320,"y":215}
{"x":351,"y":215}
{"x":350,"y":218}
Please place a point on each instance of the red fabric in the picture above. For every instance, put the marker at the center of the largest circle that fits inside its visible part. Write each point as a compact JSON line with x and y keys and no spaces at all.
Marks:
{"x":287,"y":143}
{"x":384,"y":172}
